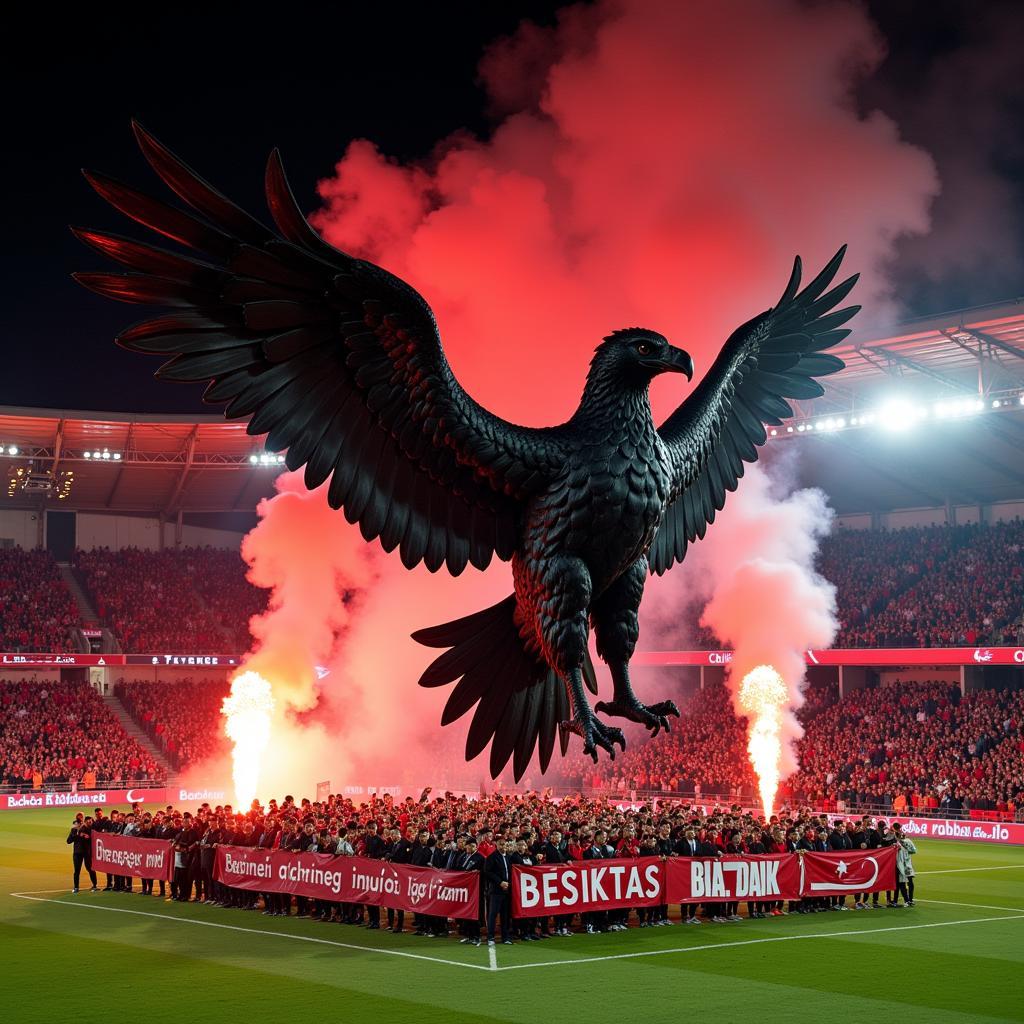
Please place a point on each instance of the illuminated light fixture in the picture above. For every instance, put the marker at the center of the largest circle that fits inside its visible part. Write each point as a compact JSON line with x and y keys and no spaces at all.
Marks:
{"x":13,"y":450}
{"x":801,"y":428}
{"x":117,"y":456}
{"x":840,"y":423}
{"x":88,"y":455}
{"x":106,"y":453}
{"x":774,"y":432}
{"x":977,"y":405}
{"x":996,"y":404}
{"x":253,"y":459}
{"x":280,"y":459}
{"x":1020,"y":401}
{"x":97,"y":455}
{"x":899,"y":415}
{"x":789,"y":430}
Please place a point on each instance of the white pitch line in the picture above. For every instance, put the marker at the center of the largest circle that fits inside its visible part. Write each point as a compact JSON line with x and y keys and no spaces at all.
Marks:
{"x":957,"y":871}
{"x":251,"y":931}
{"x":973,"y":906}
{"x":492,"y":956}
{"x":755,"y":942}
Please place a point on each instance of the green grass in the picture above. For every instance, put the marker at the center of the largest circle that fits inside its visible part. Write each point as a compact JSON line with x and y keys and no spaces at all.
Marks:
{"x":957,"y":956}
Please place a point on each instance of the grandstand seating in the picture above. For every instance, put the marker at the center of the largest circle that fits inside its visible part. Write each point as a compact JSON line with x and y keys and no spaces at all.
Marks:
{"x":62,"y":733}
{"x":182,"y":718}
{"x":190,"y":599}
{"x":37,"y":611}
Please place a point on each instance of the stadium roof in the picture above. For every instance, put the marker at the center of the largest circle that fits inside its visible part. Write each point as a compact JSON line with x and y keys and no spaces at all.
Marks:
{"x":968,"y":362}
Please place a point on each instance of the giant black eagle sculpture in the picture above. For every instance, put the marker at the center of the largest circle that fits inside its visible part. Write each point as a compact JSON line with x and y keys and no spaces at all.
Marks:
{"x":340,"y":364}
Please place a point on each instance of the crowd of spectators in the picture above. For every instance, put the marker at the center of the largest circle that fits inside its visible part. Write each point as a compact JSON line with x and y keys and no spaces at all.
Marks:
{"x":183,"y":717}
{"x":911,"y":747}
{"x":59,"y":733}
{"x":870,"y":568}
{"x":219,"y":576}
{"x":37,"y":611}
{"x":918,"y":586}
{"x":464,"y":833}
{"x":975,"y":596}
{"x":151,"y":599}
{"x":705,"y":752}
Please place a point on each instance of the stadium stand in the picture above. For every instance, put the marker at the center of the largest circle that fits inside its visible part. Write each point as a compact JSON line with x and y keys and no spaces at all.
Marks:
{"x":62,"y":733}
{"x":182,"y":718}
{"x":151,"y":600}
{"x":37,"y":611}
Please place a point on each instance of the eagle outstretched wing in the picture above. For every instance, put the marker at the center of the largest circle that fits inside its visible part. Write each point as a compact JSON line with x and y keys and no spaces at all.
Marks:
{"x":771,"y":358}
{"x":338,"y":361}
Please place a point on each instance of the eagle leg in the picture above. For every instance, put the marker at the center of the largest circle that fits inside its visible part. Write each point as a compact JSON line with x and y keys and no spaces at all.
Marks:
{"x":624,"y":704}
{"x":585,"y":724}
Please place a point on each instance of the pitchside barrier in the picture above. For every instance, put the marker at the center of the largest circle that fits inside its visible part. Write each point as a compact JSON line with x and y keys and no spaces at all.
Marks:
{"x":87,"y":798}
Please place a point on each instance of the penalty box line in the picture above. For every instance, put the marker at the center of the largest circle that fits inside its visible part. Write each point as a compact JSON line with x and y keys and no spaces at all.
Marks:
{"x":257,"y":931}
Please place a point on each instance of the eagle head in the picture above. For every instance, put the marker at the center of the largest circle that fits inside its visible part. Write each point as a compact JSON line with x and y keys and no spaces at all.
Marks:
{"x":634,"y":356}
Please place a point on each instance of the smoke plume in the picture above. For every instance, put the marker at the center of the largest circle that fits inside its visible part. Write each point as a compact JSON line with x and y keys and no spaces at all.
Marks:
{"x":764,"y":597}
{"x":651,"y":163}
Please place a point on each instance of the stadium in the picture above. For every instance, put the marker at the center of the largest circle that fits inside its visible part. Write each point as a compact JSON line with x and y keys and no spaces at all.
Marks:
{"x":209,"y":654}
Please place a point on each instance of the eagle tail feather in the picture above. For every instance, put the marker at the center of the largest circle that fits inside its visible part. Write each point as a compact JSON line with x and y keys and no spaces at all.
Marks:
{"x":519,"y":699}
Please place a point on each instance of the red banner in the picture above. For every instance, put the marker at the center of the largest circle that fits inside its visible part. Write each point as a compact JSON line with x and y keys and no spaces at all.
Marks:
{"x":126,"y":855}
{"x":586,"y":885}
{"x":874,"y":656}
{"x":710,"y":880}
{"x":324,"y":876}
{"x":595,"y":885}
{"x":84,"y":798}
{"x":848,"y":871}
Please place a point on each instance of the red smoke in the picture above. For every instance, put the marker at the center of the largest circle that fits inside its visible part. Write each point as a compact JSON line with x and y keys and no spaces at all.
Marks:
{"x":653,"y":163}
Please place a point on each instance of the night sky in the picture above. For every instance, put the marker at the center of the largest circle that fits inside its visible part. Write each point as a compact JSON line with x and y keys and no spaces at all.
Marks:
{"x":222,"y":88}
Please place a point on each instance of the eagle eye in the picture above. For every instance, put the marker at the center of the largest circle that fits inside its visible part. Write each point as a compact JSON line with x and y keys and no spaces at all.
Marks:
{"x":644,"y":348}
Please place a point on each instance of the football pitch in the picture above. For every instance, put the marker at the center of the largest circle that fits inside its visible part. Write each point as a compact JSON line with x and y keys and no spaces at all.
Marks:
{"x":957,"y":956}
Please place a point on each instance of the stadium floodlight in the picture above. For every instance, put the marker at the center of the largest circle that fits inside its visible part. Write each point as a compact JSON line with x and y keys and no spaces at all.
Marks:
{"x":253,"y":459}
{"x":88,"y":455}
{"x":117,"y":456}
{"x":899,"y":415}
{"x":789,"y":430}
{"x":106,"y":453}
{"x":13,"y":450}
{"x":996,"y":404}
{"x":1020,"y":401}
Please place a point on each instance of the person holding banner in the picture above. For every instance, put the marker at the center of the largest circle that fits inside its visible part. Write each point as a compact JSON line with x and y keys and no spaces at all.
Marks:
{"x":905,"y":849}
{"x":80,"y":840}
{"x":498,"y":875}
{"x":554,"y":852}
{"x":472,"y":860}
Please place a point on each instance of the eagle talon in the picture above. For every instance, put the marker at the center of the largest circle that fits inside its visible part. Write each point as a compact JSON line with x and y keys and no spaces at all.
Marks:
{"x":594,"y":734}
{"x":653,"y":716}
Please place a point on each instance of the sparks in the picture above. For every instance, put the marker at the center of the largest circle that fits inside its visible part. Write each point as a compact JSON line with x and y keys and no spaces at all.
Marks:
{"x":762,"y":697}
{"x":248,"y":710}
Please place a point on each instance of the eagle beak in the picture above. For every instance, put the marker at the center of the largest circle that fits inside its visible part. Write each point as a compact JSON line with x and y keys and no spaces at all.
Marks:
{"x":675,"y":360}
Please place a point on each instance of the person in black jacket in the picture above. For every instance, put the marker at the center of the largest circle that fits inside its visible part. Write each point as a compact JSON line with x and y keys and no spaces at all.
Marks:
{"x":524,"y":927}
{"x":755,"y":908}
{"x":498,"y":877}
{"x":400,"y":853}
{"x":80,"y":840}
{"x":554,"y":851}
{"x":472,"y":861}
{"x":595,"y":920}
{"x":374,"y":849}
{"x":839,"y":840}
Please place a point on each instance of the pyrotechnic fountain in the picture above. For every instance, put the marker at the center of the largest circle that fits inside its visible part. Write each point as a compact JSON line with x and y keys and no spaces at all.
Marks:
{"x":248,"y":712}
{"x":762,"y":698}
